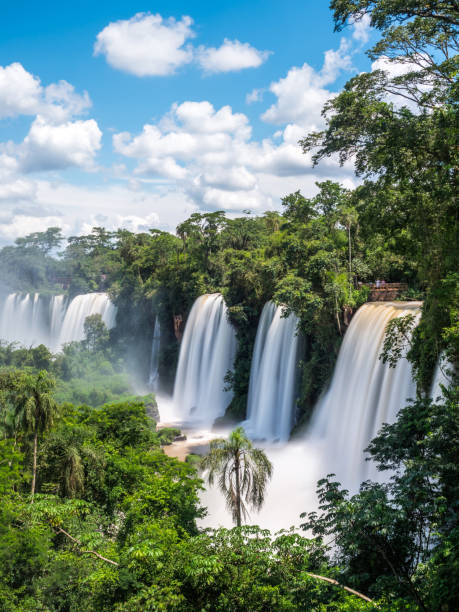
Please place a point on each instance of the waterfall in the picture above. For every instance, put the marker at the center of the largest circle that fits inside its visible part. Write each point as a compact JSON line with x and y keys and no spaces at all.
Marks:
{"x":31,"y":319}
{"x":154,"y":363}
{"x":271,"y":400}
{"x":206,"y":354}
{"x":83,"y":306}
{"x":23,"y":319}
{"x":57,"y":306}
{"x":364,"y":393}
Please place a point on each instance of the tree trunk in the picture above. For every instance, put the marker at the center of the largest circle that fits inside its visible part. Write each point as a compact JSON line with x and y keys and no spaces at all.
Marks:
{"x":238,"y":492}
{"x":34,"y":465}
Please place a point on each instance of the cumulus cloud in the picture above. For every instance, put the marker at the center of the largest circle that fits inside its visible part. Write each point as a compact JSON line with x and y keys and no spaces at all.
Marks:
{"x":361,"y":29}
{"x":50,"y":147}
{"x":149,"y":45}
{"x":210,"y":155}
{"x":302,"y":94}
{"x":146,"y":44}
{"x":21,"y":93}
{"x":256,"y":95}
{"x":55,"y":139}
{"x":232,"y":55}
{"x":196,"y":157}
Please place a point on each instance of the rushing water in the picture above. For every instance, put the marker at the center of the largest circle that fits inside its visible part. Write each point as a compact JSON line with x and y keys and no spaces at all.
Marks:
{"x":24,"y":319}
{"x":206,"y":354}
{"x":153,"y":379}
{"x":271,"y":399}
{"x":363,"y":394}
{"x":83,"y":306}
{"x":31,"y":319}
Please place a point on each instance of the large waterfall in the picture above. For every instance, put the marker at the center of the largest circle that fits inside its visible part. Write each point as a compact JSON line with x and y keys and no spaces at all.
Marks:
{"x":31,"y":319}
{"x":153,"y":379}
{"x":83,"y":306}
{"x":206,"y":354}
{"x":271,"y":400}
{"x":364,"y":393}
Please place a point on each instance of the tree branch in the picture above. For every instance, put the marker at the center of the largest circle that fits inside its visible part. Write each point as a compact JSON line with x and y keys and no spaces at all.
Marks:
{"x":336,"y":583}
{"x":86,"y":552}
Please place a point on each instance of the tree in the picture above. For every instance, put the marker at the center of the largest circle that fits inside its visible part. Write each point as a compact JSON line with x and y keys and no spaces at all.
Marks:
{"x":95,"y":333}
{"x":242,"y":470}
{"x":399,"y":538}
{"x":33,"y":404}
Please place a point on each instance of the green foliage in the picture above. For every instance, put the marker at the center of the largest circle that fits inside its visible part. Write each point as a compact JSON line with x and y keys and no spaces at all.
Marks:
{"x":112,"y":525}
{"x":398,"y":538}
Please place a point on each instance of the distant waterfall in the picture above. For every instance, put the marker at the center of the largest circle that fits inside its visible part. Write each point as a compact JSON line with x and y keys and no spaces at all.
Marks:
{"x":271,"y":400}
{"x":364,"y":393}
{"x":31,"y":319}
{"x":24,"y":319}
{"x":83,"y":306}
{"x":206,"y":354}
{"x":153,"y":379}
{"x":57,"y":307}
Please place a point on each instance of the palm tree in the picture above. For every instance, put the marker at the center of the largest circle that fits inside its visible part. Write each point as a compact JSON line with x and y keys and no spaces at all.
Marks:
{"x":242,"y":470}
{"x":34,"y":407}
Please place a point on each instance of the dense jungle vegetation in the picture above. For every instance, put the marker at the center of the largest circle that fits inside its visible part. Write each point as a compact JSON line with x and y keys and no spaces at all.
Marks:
{"x":94,"y":516}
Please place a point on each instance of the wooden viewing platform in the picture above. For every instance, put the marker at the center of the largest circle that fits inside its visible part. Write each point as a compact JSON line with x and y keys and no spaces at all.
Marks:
{"x":385,"y":292}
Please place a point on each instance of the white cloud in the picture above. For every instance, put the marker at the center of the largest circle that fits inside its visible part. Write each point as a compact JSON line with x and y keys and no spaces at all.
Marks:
{"x":196,"y":157}
{"x":21,"y":93}
{"x":208,"y":153}
{"x":18,"y":189}
{"x":393,"y":69}
{"x":256,"y":95}
{"x":190,"y":132}
{"x":49,"y":147}
{"x":302,"y":94}
{"x":232,"y":55}
{"x":146,"y":45}
{"x":149,"y":45}
{"x":361,"y":29}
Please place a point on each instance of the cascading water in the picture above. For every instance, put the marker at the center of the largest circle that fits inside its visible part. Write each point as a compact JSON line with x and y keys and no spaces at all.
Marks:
{"x":271,"y":400}
{"x":153,"y":379}
{"x":206,"y":354}
{"x":24,"y":319}
{"x":364,"y":393}
{"x":83,"y":306}
{"x":57,"y":307}
{"x":31,"y":319}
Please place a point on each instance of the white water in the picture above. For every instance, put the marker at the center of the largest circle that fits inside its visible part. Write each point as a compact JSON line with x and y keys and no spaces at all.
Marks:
{"x":206,"y":354}
{"x":23,"y":319}
{"x":83,"y":306}
{"x":363,"y":394}
{"x":153,"y":379}
{"x":271,"y":399}
{"x":57,"y":307}
{"x":31,"y":319}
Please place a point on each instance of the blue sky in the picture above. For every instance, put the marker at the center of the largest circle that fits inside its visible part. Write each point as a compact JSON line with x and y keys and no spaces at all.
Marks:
{"x":137,"y":114}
